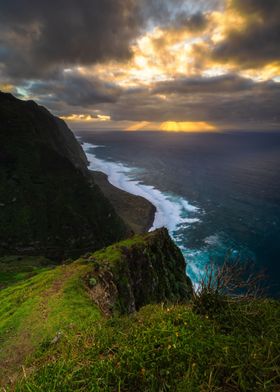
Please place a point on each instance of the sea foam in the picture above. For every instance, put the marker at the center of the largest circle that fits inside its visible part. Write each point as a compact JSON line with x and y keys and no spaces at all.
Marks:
{"x":172,"y":211}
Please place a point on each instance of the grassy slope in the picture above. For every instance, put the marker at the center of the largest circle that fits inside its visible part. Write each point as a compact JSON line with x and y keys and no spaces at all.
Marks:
{"x":53,"y":338}
{"x":60,"y":300}
{"x":14,"y":269}
{"x":34,"y":311}
{"x":166,"y":349}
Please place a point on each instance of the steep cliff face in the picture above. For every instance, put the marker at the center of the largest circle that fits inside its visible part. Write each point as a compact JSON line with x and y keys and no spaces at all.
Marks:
{"x":142,"y":270}
{"x":49,"y":205}
{"x":38,"y":125}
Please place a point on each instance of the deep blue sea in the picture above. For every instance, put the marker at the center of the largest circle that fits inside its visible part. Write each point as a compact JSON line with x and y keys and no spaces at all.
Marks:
{"x":217,"y":193}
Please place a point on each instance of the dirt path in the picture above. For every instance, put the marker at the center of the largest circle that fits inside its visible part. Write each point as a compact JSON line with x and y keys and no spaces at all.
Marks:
{"x":21,"y":346}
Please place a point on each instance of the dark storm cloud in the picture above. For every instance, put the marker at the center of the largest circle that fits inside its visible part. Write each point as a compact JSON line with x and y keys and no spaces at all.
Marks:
{"x":258,"y":43}
{"x":70,"y":89}
{"x":228,"y":98}
{"x":38,"y":35}
{"x":225,"y":84}
{"x":195,"y":23}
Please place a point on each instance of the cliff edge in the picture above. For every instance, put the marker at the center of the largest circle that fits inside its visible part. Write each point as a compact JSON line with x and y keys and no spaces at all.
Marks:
{"x":139,"y":271}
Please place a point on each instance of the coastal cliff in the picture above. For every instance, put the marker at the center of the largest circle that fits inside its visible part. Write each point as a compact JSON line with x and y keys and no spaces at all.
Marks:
{"x":136,"y":272}
{"x":49,"y":204}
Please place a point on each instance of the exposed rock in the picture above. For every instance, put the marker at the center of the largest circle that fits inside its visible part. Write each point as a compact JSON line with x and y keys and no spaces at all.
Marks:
{"x":143,"y":270}
{"x":57,"y":337}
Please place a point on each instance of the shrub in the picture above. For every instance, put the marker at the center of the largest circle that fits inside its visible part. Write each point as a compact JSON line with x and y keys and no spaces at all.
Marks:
{"x":232,"y":281}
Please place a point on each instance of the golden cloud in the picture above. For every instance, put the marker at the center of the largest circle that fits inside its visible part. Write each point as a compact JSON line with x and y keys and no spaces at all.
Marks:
{"x":86,"y":117}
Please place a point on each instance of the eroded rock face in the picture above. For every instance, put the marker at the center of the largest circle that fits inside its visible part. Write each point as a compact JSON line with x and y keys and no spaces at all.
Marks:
{"x":49,"y":204}
{"x":146,"y":269}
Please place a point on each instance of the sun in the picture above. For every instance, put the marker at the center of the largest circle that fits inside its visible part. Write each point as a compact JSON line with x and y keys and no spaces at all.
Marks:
{"x":185,"y":126}
{"x":173,"y":126}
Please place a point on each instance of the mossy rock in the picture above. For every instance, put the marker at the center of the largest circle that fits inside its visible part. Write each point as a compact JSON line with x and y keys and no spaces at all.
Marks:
{"x":145,"y":269}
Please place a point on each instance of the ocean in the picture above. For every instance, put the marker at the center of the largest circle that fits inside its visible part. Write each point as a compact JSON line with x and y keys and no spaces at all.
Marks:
{"x":217,"y":193}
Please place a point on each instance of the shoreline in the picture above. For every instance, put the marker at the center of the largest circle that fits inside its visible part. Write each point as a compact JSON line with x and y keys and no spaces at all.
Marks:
{"x":172,"y":211}
{"x":136,"y":211}
{"x":168,"y":210}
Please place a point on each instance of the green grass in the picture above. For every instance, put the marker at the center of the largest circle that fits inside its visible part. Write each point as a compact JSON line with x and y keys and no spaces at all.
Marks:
{"x":54,"y":338}
{"x":167,"y":349}
{"x":14,"y":269}
{"x":112,"y":253}
{"x":34,"y":311}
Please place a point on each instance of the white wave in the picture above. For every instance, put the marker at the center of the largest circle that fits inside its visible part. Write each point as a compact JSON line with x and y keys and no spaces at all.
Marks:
{"x":171,"y":210}
{"x":189,"y":207}
{"x":212,"y":240}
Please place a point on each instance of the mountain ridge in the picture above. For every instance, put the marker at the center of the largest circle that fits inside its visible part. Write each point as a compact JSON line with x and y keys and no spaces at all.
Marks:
{"x":49,"y":204}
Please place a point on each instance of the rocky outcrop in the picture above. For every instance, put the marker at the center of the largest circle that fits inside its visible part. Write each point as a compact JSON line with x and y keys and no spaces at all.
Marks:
{"x":142,"y":270}
{"x":49,"y":204}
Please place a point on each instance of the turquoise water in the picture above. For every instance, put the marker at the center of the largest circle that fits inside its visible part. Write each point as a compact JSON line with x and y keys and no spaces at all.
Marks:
{"x":218,"y":194}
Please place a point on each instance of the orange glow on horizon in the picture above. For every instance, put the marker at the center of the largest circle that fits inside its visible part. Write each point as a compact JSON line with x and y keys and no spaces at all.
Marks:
{"x":173,"y":126}
{"x":6,"y":87}
{"x":187,"y":126}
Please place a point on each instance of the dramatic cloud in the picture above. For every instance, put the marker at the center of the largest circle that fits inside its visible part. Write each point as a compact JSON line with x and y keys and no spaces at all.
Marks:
{"x":256,"y":41}
{"x":236,"y":101}
{"x":197,"y":22}
{"x":170,"y":12}
{"x":70,"y":89}
{"x":147,"y":61}
{"x":219,"y":84}
{"x":227,"y":100}
{"x":39,"y":35}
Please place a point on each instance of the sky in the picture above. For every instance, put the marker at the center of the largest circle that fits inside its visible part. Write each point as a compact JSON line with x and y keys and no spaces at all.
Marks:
{"x":168,"y":65}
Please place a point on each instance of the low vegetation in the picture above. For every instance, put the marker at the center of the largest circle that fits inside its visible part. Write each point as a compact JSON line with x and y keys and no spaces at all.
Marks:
{"x":14,"y":269}
{"x":165,"y":348}
{"x":55,"y":336}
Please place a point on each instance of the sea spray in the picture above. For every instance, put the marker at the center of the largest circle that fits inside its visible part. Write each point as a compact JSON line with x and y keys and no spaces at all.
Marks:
{"x":172,"y":211}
